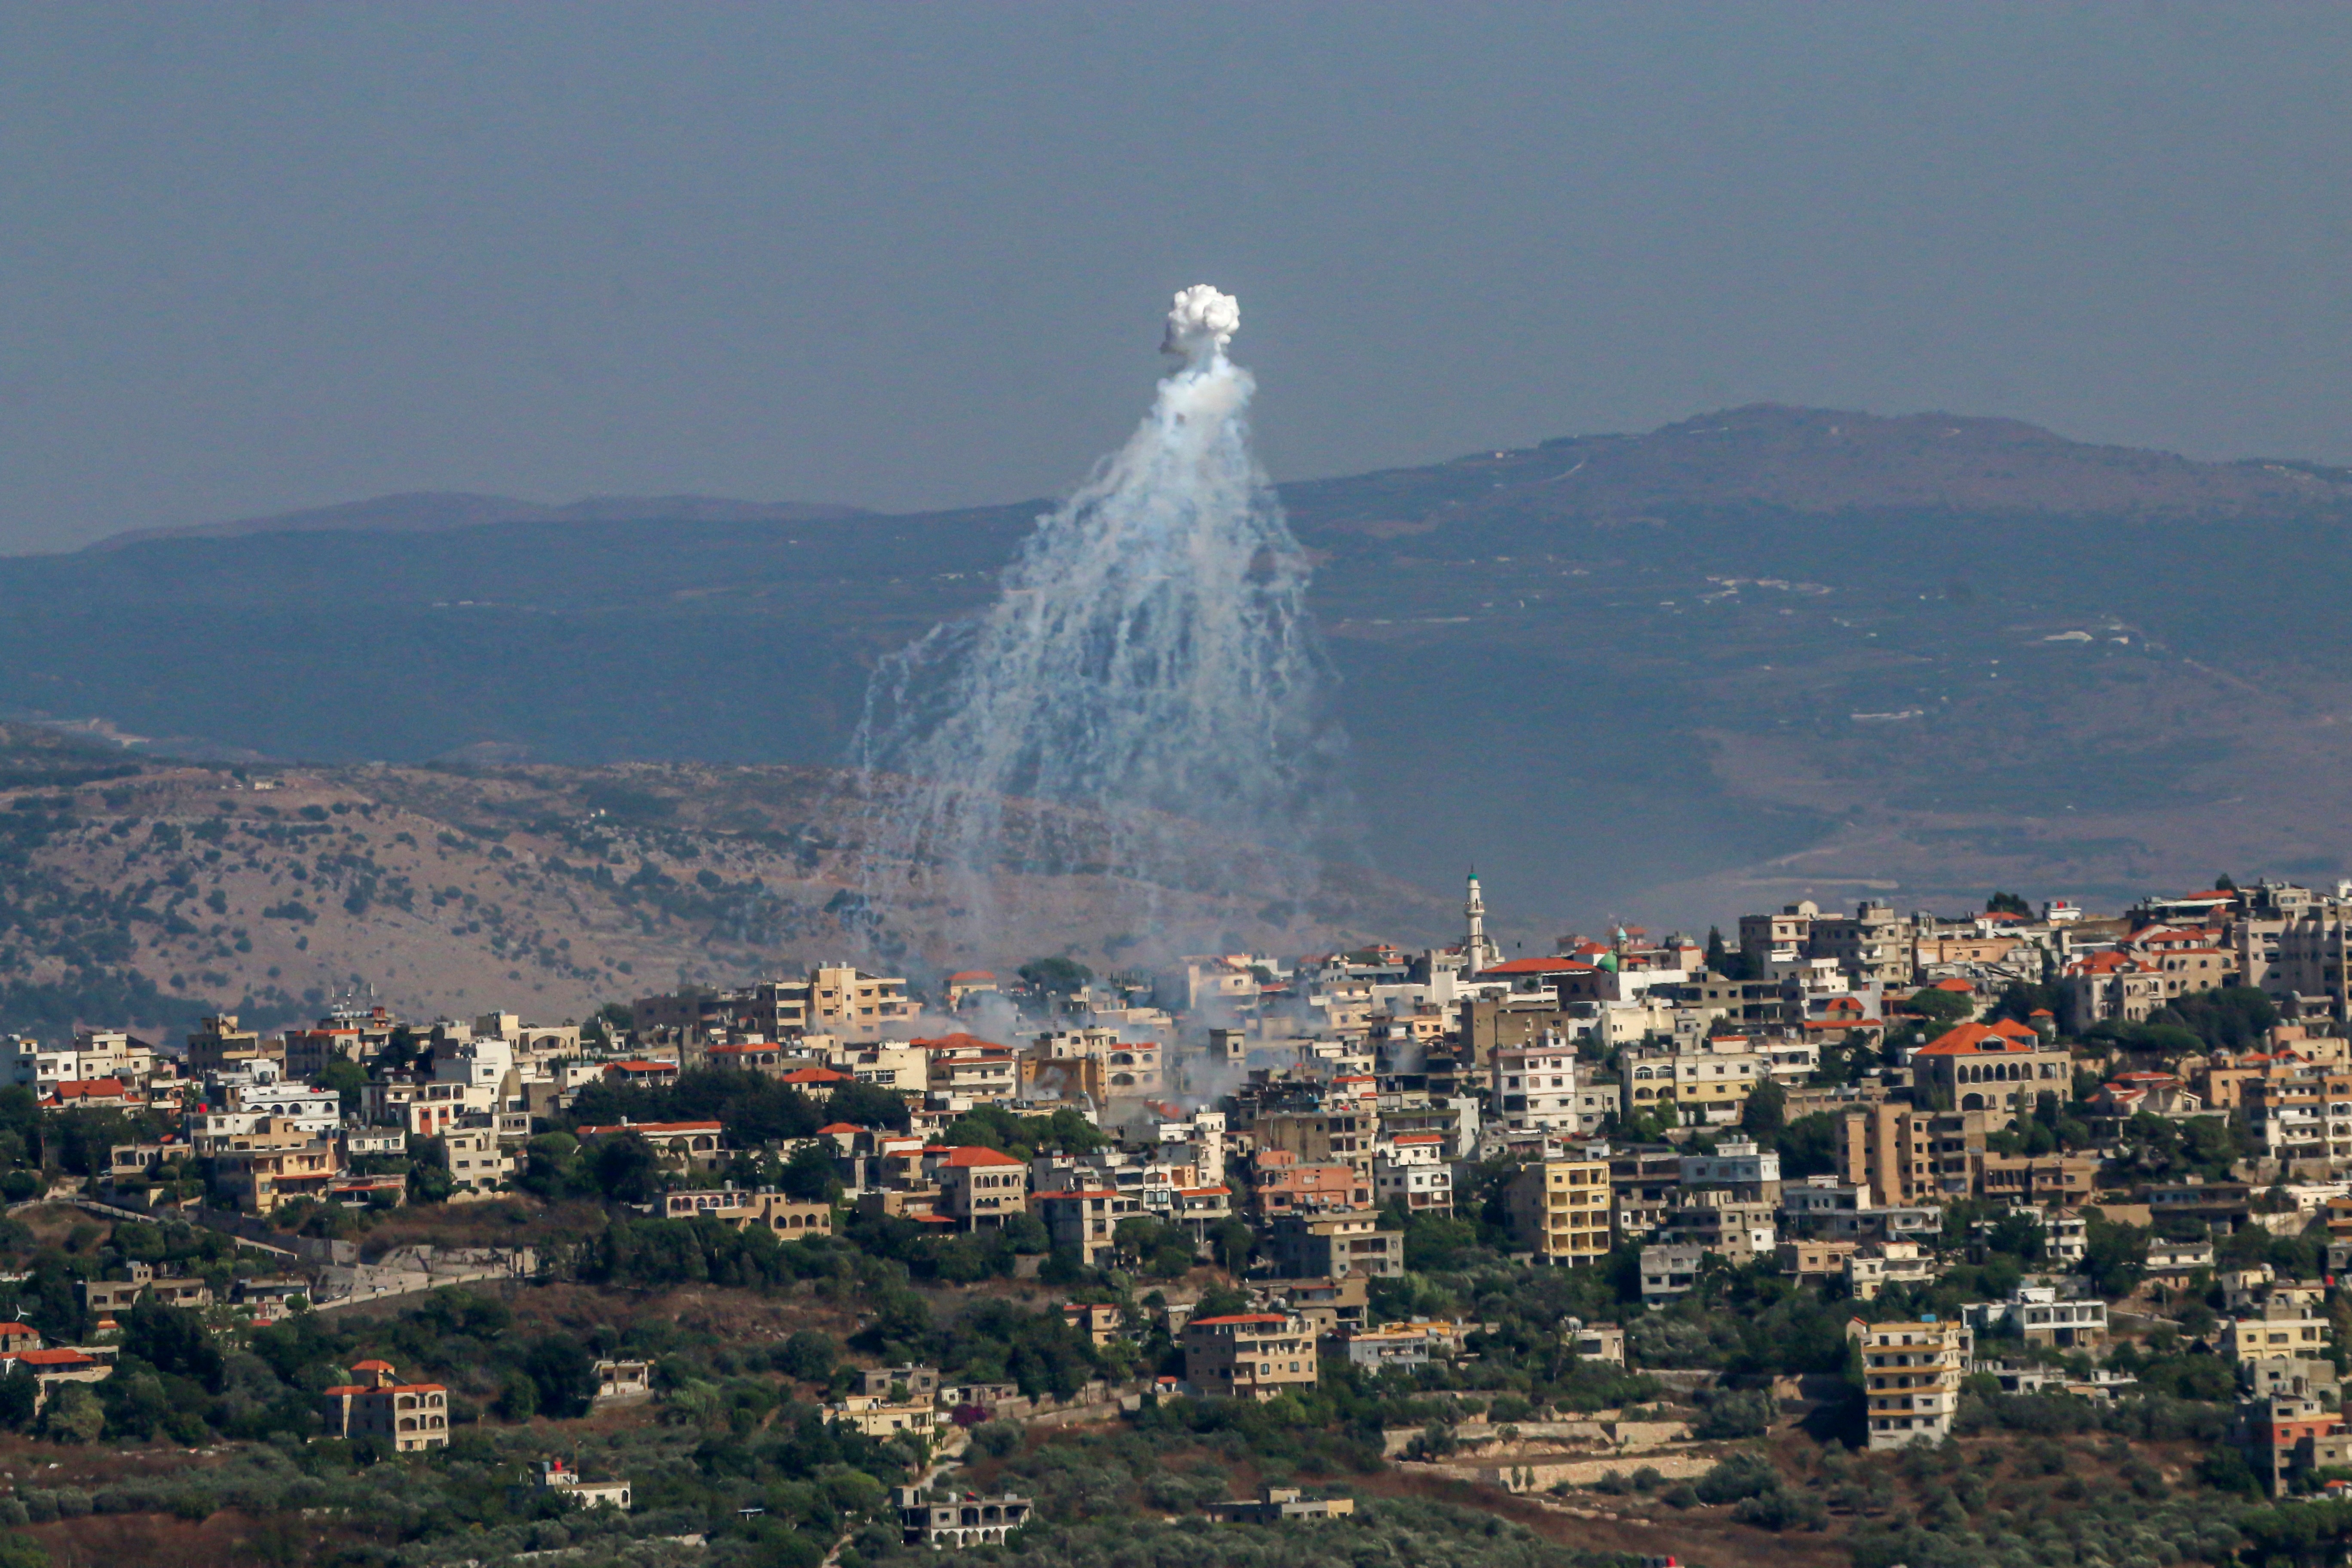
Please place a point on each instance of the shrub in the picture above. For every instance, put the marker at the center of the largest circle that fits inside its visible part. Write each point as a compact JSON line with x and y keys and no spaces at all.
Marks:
{"x":1782,"y":1509}
{"x":1729,"y":1413}
{"x":1740,"y":1475}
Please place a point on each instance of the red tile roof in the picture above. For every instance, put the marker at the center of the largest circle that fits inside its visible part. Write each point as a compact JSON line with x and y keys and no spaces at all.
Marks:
{"x":970,"y":1154}
{"x":90,"y":1089}
{"x":817,"y":1075}
{"x":1538,"y":966}
{"x":959,"y":1041}
{"x":960,"y":976}
{"x":1976,"y":1039}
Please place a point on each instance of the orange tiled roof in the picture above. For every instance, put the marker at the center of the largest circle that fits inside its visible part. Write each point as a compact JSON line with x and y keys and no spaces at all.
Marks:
{"x":1976,"y":1039}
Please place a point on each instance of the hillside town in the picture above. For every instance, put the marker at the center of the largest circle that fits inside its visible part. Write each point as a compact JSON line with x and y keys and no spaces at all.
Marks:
{"x":2017,"y":1153}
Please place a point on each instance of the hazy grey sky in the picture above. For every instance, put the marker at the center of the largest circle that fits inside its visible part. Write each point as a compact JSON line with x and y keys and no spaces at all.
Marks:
{"x":257,"y":257}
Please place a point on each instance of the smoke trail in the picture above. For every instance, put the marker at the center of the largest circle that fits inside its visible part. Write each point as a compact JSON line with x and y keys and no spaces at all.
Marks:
{"x":1149,"y":657}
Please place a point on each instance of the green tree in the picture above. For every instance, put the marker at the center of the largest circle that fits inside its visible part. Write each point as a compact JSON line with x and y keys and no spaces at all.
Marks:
{"x":868,"y":1105}
{"x":1761,"y":1117}
{"x":1232,"y":1242}
{"x":74,"y":1414}
{"x":563,"y":1374}
{"x":20,"y":1392}
{"x":809,"y":1355}
{"x":1942,"y":1009}
{"x":346,"y":1077}
{"x":809,"y":1174}
{"x":627,"y":1169}
{"x":173,"y":1340}
{"x":1057,"y":976}
{"x":1809,"y":1147}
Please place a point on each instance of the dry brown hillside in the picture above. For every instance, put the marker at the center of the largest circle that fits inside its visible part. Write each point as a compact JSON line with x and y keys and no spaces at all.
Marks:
{"x":144,"y":892}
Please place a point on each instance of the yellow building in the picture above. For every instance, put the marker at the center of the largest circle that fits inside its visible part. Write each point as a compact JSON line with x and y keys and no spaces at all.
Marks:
{"x":1708,"y":1086}
{"x":1911,"y":1373}
{"x":1560,"y":1210}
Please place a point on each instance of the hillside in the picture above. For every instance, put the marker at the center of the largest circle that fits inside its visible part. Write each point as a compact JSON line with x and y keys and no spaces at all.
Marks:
{"x":1745,"y":657}
{"x":149,"y":893}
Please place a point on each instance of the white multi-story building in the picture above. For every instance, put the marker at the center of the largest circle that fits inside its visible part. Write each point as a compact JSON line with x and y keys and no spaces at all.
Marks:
{"x":1535,"y":1087}
{"x":1410,"y":1169}
{"x":95,"y":1055}
{"x":316,"y":1113}
{"x":484,"y":1061}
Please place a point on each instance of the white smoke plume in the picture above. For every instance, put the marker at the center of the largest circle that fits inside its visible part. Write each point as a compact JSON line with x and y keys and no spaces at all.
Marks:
{"x":1201,"y":324}
{"x":1149,"y":655}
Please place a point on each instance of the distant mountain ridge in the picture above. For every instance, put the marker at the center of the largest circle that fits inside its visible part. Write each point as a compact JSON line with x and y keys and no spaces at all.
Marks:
{"x":435,"y":511}
{"x":1807,"y":459}
{"x":1765,"y":653}
{"x":1825,"y":461}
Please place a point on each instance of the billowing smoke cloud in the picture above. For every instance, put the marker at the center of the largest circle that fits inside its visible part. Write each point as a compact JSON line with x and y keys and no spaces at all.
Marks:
{"x":1149,"y":657}
{"x":1201,"y":323}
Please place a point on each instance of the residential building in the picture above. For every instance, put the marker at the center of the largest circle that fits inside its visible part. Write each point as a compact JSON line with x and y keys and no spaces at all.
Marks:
{"x":274,"y":1164}
{"x":1709,"y":1084}
{"x":1670,"y":1272}
{"x":1333,"y":1246}
{"x":980,"y":1188}
{"x":1560,"y":1210}
{"x":1740,"y":1168}
{"x":554,"y":1476}
{"x":697,"y":1143}
{"x":908,"y":1380}
{"x":761,"y":1208}
{"x":1079,"y":1221}
{"x":623,"y":1380}
{"x":1819,"y":1261}
{"x":1249,"y":1355}
{"x":1873,"y":1266}
{"x":1412,"y":1170}
{"x":219,"y":1043}
{"x":2037,"y":1314}
{"x":2285,"y":1435}
{"x":2001,"y":1067}
{"x":1276,"y":1505}
{"x":1911,"y":1379}
{"x":411,"y":1416}
{"x":875,"y":1416}
{"x":955,"y":1522}
{"x":1535,"y":1086}
{"x":476,"y":1162}
{"x":2279,"y":1328}
{"x":2037,"y":1179}
{"x":1330,"y":1136}
{"x":1281,"y":1183}
{"x":111,"y":1298}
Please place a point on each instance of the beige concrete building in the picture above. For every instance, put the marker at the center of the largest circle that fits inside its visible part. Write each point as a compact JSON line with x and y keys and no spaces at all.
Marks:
{"x":1249,"y":1355}
{"x":1911,"y":1376}
{"x":411,"y":1416}
{"x":1560,"y":1210}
